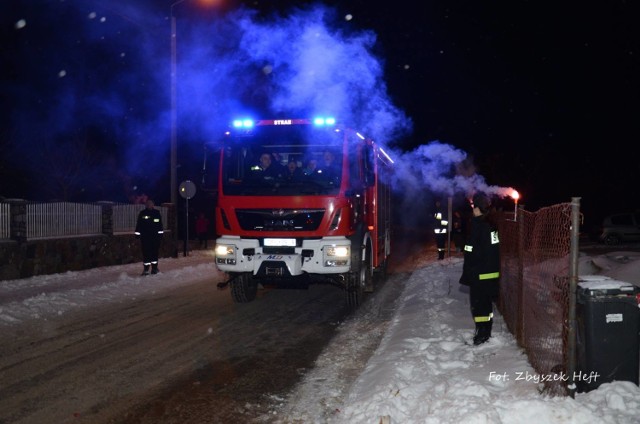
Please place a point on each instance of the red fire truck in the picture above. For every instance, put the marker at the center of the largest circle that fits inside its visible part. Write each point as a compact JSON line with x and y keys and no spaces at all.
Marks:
{"x":282,"y":221}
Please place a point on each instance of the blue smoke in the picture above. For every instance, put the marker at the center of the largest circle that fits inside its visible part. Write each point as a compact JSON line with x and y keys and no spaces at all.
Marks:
{"x":296,"y":66}
{"x":98,"y":76}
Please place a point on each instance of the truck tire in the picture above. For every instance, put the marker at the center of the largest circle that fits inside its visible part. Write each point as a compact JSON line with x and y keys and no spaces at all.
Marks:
{"x":244,"y":288}
{"x":354,"y":291}
{"x":369,"y":281}
{"x":358,"y":279}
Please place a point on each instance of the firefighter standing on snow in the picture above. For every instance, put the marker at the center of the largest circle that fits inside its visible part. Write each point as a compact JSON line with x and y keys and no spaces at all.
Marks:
{"x":440,"y":229}
{"x":481,"y":267}
{"x":149,"y":230}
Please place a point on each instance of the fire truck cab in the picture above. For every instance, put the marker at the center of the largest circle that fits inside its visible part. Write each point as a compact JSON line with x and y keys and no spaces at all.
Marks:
{"x":280,"y":220}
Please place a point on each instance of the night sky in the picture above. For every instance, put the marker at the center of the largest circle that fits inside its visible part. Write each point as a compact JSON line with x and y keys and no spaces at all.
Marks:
{"x":542,"y":96}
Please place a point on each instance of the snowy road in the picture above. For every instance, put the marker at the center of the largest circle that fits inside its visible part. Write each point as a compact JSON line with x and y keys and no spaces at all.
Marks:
{"x":108,"y":346}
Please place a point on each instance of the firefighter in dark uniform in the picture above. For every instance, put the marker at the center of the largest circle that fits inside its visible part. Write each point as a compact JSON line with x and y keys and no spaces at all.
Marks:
{"x":481,"y":267}
{"x":440,"y":229}
{"x":149,"y":230}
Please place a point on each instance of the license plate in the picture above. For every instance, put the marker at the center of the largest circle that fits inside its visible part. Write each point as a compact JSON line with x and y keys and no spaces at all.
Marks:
{"x":280,"y":242}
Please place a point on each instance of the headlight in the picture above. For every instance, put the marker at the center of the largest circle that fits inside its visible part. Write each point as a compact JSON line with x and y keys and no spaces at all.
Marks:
{"x":336,"y":255}
{"x":225,"y":254}
{"x":224,"y":250}
{"x":338,"y":251}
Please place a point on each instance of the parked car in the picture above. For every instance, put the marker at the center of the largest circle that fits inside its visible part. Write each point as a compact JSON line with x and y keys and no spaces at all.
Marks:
{"x":621,"y":228}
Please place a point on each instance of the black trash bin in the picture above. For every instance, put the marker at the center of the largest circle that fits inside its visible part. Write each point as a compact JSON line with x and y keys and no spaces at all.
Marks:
{"x":608,"y":326}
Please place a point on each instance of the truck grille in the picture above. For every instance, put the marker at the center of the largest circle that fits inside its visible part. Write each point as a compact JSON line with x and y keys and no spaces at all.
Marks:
{"x":279,"y":219}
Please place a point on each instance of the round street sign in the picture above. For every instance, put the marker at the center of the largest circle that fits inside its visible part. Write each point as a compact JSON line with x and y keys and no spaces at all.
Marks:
{"x":187,"y":189}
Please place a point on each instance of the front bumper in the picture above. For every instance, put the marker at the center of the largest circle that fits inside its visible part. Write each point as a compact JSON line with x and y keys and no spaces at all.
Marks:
{"x":329,"y":255}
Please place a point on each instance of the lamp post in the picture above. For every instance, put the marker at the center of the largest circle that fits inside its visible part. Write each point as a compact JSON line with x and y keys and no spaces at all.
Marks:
{"x":174,"y":134}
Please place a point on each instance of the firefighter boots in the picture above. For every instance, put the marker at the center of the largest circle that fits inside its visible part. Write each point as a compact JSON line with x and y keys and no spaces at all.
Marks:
{"x":483,"y":332}
{"x":146,"y":270}
{"x":154,"y":268}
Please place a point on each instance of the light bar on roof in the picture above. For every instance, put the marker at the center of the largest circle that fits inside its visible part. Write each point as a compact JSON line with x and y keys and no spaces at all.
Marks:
{"x":243,"y":123}
{"x":324,"y":121}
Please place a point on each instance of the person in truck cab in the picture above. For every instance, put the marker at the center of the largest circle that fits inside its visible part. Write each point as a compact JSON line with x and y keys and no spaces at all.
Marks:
{"x":293,"y":172}
{"x":328,"y":159}
{"x":267,"y":169}
{"x":312,"y":165}
{"x":329,"y":168}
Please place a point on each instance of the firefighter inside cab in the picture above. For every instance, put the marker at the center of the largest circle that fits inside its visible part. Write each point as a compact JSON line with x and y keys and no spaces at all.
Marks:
{"x":268,"y":169}
{"x":440,"y":229}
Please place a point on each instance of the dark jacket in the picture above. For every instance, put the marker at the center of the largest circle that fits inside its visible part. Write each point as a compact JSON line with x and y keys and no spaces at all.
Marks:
{"x":481,"y":252}
{"x":149,"y":223}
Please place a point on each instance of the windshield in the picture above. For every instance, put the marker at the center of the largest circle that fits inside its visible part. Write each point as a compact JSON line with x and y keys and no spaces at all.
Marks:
{"x":283,"y":161}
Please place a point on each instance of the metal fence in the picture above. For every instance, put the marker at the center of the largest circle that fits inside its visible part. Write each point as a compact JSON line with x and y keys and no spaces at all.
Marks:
{"x":62,"y":219}
{"x":66,"y":219}
{"x":5,"y":221}
{"x":537,"y":252}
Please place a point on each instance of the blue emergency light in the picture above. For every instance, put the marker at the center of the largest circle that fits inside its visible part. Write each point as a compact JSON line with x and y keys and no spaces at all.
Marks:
{"x":324,"y":121}
{"x":243,"y":123}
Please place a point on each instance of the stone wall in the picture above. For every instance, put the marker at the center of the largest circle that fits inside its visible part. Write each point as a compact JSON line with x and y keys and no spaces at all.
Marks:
{"x":51,"y":256}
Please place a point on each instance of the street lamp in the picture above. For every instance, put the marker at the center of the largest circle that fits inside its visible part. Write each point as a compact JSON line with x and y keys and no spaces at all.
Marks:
{"x":174,"y":140}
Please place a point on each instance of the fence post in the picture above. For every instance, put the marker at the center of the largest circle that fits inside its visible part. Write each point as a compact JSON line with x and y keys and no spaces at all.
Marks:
{"x":573,"y":283}
{"x":18,"y":213}
{"x":107,"y":217}
{"x":520,"y":311}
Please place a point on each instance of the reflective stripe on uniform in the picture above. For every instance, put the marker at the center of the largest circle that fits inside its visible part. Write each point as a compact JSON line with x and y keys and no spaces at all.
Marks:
{"x":485,"y":318}
{"x":489,"y":276}
{"x":468,"y":248}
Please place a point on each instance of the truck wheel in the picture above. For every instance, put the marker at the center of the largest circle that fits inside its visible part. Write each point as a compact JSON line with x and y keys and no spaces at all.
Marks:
{"x":354,"y":291}
{"x":359,"y":278}
{"x":244,"y":288}
{"x":369,"y":282}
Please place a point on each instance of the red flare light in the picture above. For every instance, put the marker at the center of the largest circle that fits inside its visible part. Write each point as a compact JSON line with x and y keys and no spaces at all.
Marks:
{"x":515,"y":195}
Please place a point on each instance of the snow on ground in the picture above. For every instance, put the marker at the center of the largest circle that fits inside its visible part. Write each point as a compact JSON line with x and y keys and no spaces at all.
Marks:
{"x":44,"y":296}
{"x":423,"y":371}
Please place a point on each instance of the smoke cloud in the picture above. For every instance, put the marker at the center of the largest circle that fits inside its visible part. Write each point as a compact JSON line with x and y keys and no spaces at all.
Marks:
{"x":100,"y":75}
{"x":443,"y":170}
